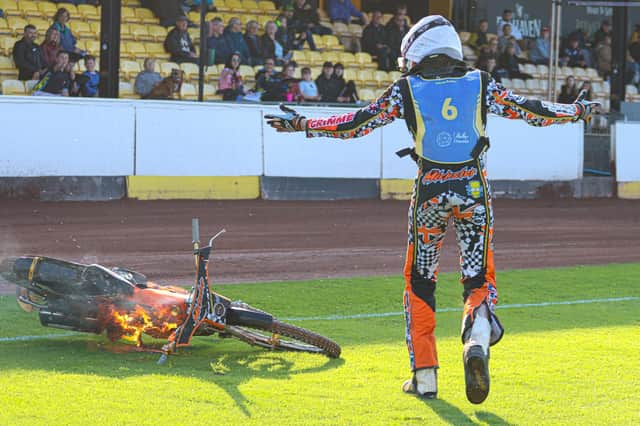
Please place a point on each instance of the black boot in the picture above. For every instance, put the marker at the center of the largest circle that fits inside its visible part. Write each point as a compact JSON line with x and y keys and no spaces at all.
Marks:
{"x":476,"y":373}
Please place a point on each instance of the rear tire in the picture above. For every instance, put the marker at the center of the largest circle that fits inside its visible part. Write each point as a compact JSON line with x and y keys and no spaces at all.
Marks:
{"x":296,"y":339}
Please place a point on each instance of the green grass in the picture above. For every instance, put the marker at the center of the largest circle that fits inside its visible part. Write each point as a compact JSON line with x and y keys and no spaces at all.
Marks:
{"x":562,"y":364}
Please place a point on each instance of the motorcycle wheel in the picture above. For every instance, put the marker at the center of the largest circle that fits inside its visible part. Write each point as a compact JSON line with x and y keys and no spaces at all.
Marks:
{"x":279,"y":335}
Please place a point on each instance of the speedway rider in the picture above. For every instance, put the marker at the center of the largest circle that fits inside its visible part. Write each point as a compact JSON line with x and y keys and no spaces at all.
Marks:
{"x":444,"y":104}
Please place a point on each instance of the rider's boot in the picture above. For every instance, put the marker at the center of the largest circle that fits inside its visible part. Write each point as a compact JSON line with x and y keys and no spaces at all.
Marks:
{"x":476,"y":357}
{"x":423,"y":384}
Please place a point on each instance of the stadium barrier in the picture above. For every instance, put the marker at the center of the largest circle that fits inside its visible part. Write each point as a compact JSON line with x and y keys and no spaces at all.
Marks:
{"x":157,"y":148}
{"x":626,"y":153}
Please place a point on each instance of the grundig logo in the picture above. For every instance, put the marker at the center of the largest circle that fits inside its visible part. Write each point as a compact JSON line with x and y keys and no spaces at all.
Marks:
{"x":331,"y":121}
{"x":440,"y":176}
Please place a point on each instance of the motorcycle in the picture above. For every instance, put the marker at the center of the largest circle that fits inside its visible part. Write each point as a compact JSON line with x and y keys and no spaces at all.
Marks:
{"x":124,"y":304}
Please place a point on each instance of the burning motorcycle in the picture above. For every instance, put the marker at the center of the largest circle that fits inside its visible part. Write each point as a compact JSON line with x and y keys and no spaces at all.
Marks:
{"x":125,"y":305}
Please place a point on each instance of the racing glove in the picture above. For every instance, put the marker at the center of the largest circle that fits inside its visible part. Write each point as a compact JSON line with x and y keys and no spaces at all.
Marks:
{"x":290,"y":121}
{"x":586,"y":108}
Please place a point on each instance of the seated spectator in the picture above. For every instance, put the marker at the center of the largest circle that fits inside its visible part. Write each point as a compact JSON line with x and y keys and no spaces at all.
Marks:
{"x":230,"y":85}
{"x":507,"y":18}
{"x":308,"y":87}
{"x":147,"y":79}
{"x":348,"y":92}
{"x":89,"y":81}
{"x":305,"y":18}
{"x":217,"y":42}
{"x":374,"y":42}
{"x":291,"y":40}
{"x":396,"y":29}
{"x":28,"y":56}
{"x":268,"y":80}
{"x":57,"y":80}
{"x":271,"y":47}
{"x":343,"y":11}
{"x":167,"y":11}
{"x":603,"y":56}
{"x":67,"y":39}
{"x":51,"y":47}
{"x":235,"y":40}
{"x":568,"y":91}
{"x":509,"y":62}
{"x":605,"y":30}
{"x":254,"y":43}
{"x":328,"y":87}
{"x":290,"y":84}
{"x":479,"y":38}
{"x":635,"y":35}
{"x":539,"y":54}
{"x":178,"y":43}
{"x":489,"y":65}
{"x":586,"y":86}
{"x":573,"y":55}
{"x":507,"y":38}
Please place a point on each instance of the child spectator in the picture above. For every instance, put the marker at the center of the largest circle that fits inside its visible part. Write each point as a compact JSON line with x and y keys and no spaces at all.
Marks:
{"x":51,"y":47}
{"x":90,"y":80}
{"x":28,"y":57}
{"x":230,"y":85}
{"x":347,"y":89}
{"x":568,"y":91}
{"x":67,"y":39}
{"x":57,"y":80}
{"x":178,"y":43}
{"x":374,"y":42}
{"x":147,"y":79}
{"x":308,"y":87}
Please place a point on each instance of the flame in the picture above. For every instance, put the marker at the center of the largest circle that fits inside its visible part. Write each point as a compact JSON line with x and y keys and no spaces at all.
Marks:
{"x":130,"y":324}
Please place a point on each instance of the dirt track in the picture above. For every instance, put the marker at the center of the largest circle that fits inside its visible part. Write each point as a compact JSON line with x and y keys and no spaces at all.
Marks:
{"x":296,"y":240}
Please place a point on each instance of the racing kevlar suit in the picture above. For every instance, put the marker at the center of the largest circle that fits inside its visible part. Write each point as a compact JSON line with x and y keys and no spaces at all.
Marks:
{"x":445,"y":105}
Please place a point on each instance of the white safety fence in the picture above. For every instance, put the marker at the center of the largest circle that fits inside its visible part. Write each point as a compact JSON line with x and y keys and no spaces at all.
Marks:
{"x":104,"y":137}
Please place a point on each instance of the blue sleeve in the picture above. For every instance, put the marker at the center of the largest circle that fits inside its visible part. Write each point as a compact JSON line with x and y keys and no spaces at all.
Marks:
{"x":333,"y":9}
{"x":354,"y":11}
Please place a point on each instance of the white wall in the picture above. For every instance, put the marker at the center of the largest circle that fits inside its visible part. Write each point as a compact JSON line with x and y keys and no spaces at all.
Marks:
{"x":627,"y":151}
{"x":87,"y":137}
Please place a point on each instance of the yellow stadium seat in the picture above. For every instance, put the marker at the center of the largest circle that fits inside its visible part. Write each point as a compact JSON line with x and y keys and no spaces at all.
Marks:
{"x":89,"y":12}
{"x":347,"y":58}
{"x":221,"y":5}
{"x":234,"y":6}
{"x":10,"y":8}
{"x":247,"y":73}
{"x":95,"y":28}
{"x":367,"y":95}
{"x":341,"y":29}
{"x":93,"y":47}
{"x":30,"y":9}
{"x":48,"y":9}
{"x":41,"y":25}
{"x":365,"y":60}
{"x":128,"y":15}
{"x":4,"y":28}
{"x":16,"y":24}
{"x":350,"y":74}
{"x":382,"y":77}
{"x":13,"y":87}
{"x":262,"y":20}
{"x":188,"y":92}
{"x":158,"y":32}
{"x":82,"y":29}
{"x":131,"y":3}
{"x":315,"y":58}
{"x":146,"y":16}
{"x":28,"y":86}
{"x":394,"y":75}
{"x":301,"y":56}
{"x":267,"y":7}
{"x":209,"y":93}
{"x":125,"y":91}
{"x":6,"y":45}
{"x":332,"y":42}
{"x":166,"y":67}
{"x":190,"y":71}
{"x":355,"y":30}
{"x":331,"y":56}
{"x":156,"y":50}
{"x":211,"y":73}
{"x":7,"y":68}
{"x":140,"y":33}
{"x":125,"y":32}
{"x":195,"y":35}
{"x":367,"y":78}
{"x":136,"y":50}
{"x":71,"y":8}
{"x":129,"y":69}
{"x":251,"y":6}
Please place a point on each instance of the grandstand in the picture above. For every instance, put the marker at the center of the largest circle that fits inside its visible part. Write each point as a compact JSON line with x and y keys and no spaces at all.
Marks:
{"x":142,"y":36}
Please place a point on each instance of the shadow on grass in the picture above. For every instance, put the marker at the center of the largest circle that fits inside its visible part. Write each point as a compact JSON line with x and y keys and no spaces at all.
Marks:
{"x":451,"y":414}
{"x":227,"y":365}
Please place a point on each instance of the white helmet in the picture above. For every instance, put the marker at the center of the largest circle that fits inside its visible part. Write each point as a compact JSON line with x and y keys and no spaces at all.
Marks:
{"x":432,"y":34}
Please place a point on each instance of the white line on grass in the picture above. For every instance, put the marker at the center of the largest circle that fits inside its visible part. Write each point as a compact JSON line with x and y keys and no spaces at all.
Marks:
{"x":371,"y":315}
{"x":514,"y":305}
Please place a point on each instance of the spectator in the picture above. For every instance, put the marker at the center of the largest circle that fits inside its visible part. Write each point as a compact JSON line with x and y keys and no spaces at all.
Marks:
{"x":507,"y":18}
{"x":347,"y":89}
{"x":479,"y":38}
{"x":343,"y":11}
{"x":635,"y":35}
{"x":167,"y":11}
{"x":56,"y":81}
{"x":147,"y":79}
{"x":235,"y":40}
{"x":290,"y":84}
{"x":507,"y":38}
{"x":178,"y":43}
{"x":89,"y":81}
{"x":374,"y":42}
{"x":267,"y":81}
{"x":67,"y":39}
{"x":489,"y":65}
{"x":573,"y":56}
{"x":586,"y":86}
{"x":603,"y":57}
{"x":308,"y":87}
{"x":508,"y":61}
{"x":305,"y":18}
{"x":396,"y":29}
{"x":51,"y":47}
{"x":539,"y":54}
{"x":328,"y":87}
{"x":217,"y":42}
{"x":271,"y":47}
{"x":291,"y":40}
{"x":568,"y":91}
{"x":28,"y":56}
{"x":195,"y":4}
{"x":605,"y":30}
{"x":230,"y":85}
{"x":254,"y":43}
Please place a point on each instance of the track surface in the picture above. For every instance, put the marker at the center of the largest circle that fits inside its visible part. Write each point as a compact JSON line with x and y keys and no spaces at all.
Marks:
{"x":269,"y":241}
